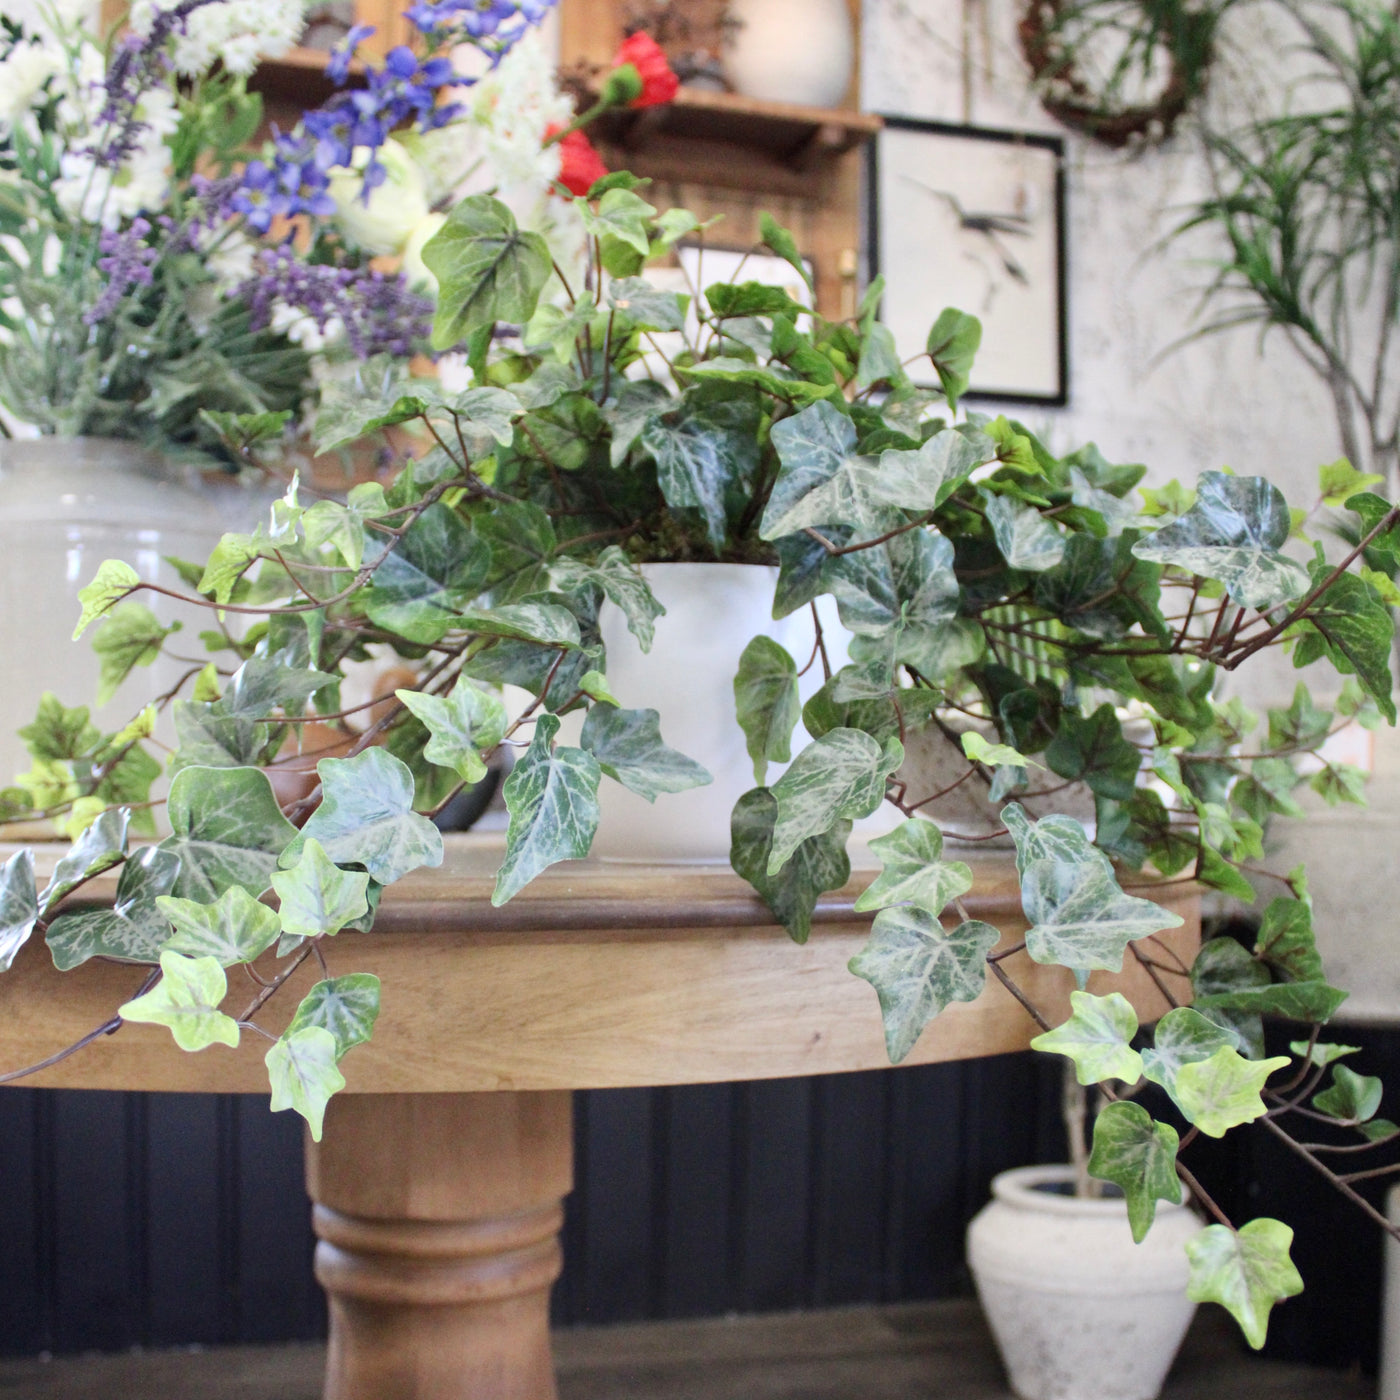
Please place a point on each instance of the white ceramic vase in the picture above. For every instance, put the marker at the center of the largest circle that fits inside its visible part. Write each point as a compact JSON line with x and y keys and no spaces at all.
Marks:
{"x":799,"y":51}
{"x":712,"y":613}
{"x":66,"y":504}
{"x":1079,"y":1311}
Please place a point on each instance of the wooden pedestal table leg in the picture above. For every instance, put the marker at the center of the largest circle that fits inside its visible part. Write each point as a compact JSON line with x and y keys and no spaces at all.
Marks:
{"x":437,"y":1217}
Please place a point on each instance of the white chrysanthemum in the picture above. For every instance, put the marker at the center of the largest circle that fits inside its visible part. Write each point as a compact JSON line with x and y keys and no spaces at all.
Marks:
{"x":395,"y":208}
{"x":231,"y":259}
{"x":514,"y":107}
{"x":235,"y":32}
{"x":302,"y":329}
{"x":23,"y":73}
{"x":44,"y":18}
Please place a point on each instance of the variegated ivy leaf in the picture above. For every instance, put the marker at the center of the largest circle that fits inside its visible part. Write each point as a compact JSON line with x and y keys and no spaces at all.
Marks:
{"x":1054,"y":837}
{"x":545,"y":624}
{"x":19,"y":906}
{"x":260,"y":688}
{"x":623,"y":586}
{"x":110,"y":584}
{"x":594,"y":684}
{"x":646,"y":306}
{"x":1079,"y":917}
{"x":767,"y":702}
{"x":347,"y":1007}
{"x":227,"y":829}
{"x":1139,"y":1156}
{"x":913,"y":870}
{"x":366,"y":817}
{"x":133,"y":929}
{"x":301,"y":1067}
{"x":1097,"y":1037}
{"x":552,"y":798}
{"x":317,"y":896}
{"x":1246,"y":1271}
{"x":461,"y":724}
{"x":99,"y":848}
{"x":343,"y":526}
{"x":1353,"y":1098}
{"x":979,"y":750}
{"x":1026,"y":539}
{"x":1182,"y":1037}
{"x":209,"y":738}
{"x":819,"y":864}
{"x":187,"y":1000}
{"x":1233,"y":534}
{"x":840,"y":776}
{"x":132,"y":636}
{"x":1222,"y":1092}
{"x":630,"y":750}
{"x":918,"y":967}
{"x":235,"y":928}
{"x":1320,"y":1054}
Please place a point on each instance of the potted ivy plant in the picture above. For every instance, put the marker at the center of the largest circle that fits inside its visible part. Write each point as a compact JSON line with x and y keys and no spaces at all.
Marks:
{"x":1076,"y":623}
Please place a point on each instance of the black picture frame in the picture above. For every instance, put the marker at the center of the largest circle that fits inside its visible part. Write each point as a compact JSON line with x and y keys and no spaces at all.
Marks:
{"x":1030,"y":366}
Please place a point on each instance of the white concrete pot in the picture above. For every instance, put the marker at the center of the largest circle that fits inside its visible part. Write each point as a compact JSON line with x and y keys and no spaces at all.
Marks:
{"x":66,"y":504}
{"x":712,"y":613}
{"x":1079,"y":1311}
{"x":799,"y":51}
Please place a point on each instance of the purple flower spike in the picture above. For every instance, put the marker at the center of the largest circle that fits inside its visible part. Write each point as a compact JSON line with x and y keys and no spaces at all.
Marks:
{"x":128,"y":261}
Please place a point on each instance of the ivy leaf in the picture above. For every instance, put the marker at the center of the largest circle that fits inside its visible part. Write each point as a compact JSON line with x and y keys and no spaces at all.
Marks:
{"x":953,"y":342}
{"x":979,"y":750}
{"x":347,"y":1007}
{"x":110,"y":584}
{"x":1354,"y":1098}
{"x":301,"y":1067}
{"x":19,"y":906}
{"x":99,"y":848}
{"x":433,"y":572}
{"x":840,"y":776}
{"x":487,"y":270}
{"x":1221,"y":1092}
{"x":59,"y":733}
{"x":1233,"y":534}
{"x":132,"y":930}
{"x":1056,"y":837}
{"x":1321,"y":1053}
{"x":366,"y":817}
{"x":594,"y":684}
{"x":260,"y":687}
{"x":1339,"y":481}
{"x":621,"y":215}
{"x":1286,"y":940}
{"x":235,"y":928}
{"x":133,"y":636}
{"x":1139,"y":1156}
{"x":918,"y":967}
{"x":1356,"y":630}
{"x":187,"y":1000}
{"x":1183,"y":1036}
{"x":1079,"y":916}
{"x":622,"y":584}
{"x":647,"y":307}
{"x":208,"y":738}
{"x":226,"y":828}
{"x":1026,"y":539}
{"x":463,"y":723}
{"x":819,"y":864}
{"x":544,"y":624}
{"x":778,"y":240}
{"x":1246,"y":1271}
{"x":552,"y":797}
{"x":913,"y":870}
{"x":1314,"y":1000}
{"x":317,"y":896}
{"x":1097,"y":1037}
{"x":1094,"y":751}
{"x":767,"y":702}
{"x":629,"y":749}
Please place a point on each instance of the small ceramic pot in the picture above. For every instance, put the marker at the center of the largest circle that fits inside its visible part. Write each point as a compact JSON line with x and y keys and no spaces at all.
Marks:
{"x":798,"y":51}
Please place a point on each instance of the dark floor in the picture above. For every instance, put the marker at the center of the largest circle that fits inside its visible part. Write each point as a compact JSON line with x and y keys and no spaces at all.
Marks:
{"x":915,"y":1351}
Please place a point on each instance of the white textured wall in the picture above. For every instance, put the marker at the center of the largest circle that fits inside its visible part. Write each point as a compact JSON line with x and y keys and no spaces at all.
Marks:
{"x":1218,"y":401}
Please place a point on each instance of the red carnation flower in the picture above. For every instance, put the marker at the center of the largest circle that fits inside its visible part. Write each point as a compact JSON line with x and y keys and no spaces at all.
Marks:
{"x":659,"y":83}
{"x":580,"y":166}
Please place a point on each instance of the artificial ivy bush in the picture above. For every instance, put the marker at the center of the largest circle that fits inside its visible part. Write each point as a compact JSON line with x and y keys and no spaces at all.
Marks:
{"x":1064,"y":626}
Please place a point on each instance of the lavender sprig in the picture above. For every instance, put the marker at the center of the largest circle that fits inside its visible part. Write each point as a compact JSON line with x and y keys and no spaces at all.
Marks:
{"x":128,"y":261}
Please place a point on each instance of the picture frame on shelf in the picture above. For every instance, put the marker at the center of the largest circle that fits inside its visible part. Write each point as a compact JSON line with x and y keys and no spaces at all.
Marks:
{"x":974,"y":217}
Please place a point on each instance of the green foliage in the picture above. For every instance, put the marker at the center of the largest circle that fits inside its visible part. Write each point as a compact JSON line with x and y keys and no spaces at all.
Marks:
{"x":187,"y":1000}
{"x":1246,"y":1271}
{"x":301,"y":1068}
{"x":1139,"y":1156}
{"x":768,"y":706}
{"x":235,"y":928}
{"x":1097,"y":1038}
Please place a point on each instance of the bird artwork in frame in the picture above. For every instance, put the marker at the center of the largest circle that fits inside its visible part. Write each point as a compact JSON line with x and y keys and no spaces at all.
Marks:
{"x":974,"y":218}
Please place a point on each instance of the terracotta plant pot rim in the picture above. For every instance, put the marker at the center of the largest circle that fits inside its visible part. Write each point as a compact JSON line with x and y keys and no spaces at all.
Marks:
{"x":1021,"y":1189}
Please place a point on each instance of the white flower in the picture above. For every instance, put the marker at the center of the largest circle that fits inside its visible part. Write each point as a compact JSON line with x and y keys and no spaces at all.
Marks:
{"x":44,"y":18}
{"x":514,"y":106}
{"x":395,"y":207}
{"x":235,"y":32}
{"x":23,"y":73}
{"x":302,"y":329}
{"x":414,"y":269}
{"x":231,"y":258}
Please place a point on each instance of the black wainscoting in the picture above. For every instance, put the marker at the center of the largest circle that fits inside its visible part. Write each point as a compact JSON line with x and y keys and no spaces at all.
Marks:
{"x":130,"y":1219}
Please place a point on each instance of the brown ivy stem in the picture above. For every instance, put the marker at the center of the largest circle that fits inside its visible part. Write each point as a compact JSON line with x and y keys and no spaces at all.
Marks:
{"x":1007,"y":953}
{"x":1321,"y":1167}
{"x":942,"y":792}
{"x":1190,"y":612}
{"x":1150,"y":968}
{"x":320,"y":957}
{"x":253,"y":1026}
{"x":836,"y":550}
{"x":821,"y":641}
{"x":1386,"y":522}
{"x":110,"y":1027}
{"x":1373,"y":1172}
{"x":1020,"y":996}
{"x":1306,"y":1068}
{"x":1219,"y":619}
{"x":1348,"y":1148}
{"x":1188,"y":1180}
{"x":271,"y":988}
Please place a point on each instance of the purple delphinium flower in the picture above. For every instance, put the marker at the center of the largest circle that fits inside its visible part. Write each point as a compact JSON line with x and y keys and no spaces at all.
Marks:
{"x":128,"y":261}
{"x":338,"y":66}
{"x":380,"y":312}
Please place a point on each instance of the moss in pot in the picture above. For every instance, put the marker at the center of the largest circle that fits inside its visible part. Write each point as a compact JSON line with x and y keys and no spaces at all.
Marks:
{"x":1075,"y":625}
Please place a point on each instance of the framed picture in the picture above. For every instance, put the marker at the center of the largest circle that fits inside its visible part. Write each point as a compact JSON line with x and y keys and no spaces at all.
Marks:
{"x":968,"y":217}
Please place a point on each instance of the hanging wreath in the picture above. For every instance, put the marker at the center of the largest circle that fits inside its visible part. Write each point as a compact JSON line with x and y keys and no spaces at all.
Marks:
{"x":1161,"y":52}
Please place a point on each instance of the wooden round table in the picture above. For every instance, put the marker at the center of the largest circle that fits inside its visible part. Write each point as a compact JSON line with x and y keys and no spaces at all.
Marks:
{"x":437,"y":1188}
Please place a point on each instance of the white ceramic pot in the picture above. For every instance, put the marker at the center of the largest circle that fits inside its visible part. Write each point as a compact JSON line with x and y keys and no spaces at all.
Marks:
{"x":800,"y":51}
{"x":66,"y":504}
{"x":713,"y":611}
{"x":1078,"y":1310}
